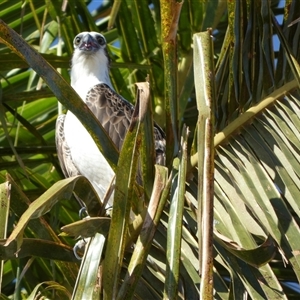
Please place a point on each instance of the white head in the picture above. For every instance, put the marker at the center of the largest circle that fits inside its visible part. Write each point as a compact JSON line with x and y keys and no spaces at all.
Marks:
{"x":90,"y":62}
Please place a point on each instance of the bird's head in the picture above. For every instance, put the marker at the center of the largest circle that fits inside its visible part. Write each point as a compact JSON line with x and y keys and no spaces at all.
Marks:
{"x":90,"y":44}
{"x":90,"y":61}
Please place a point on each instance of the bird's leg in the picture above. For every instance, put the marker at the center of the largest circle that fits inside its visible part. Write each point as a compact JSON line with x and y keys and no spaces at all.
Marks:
{"x":107,"y":195}
{"x":78,"y":246}
{"x":83,"y":213}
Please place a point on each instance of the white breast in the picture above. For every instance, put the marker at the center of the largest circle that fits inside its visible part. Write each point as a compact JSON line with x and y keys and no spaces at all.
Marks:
{"x":88,"y":71}
{"x":86,"y":155}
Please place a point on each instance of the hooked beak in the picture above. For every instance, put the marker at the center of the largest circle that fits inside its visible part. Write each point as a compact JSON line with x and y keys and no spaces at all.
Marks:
{"x":88,"y":43}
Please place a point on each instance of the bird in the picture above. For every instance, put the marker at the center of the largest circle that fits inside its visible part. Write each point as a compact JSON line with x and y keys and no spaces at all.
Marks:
{"x":76,"y":150}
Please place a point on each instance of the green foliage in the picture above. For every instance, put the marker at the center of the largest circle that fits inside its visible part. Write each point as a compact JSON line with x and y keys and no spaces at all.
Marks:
{"x":247,"y":90}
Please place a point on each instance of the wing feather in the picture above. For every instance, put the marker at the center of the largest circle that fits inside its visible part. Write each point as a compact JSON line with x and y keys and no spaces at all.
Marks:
{"x":114,"y":114}
{"x":63,"y":150}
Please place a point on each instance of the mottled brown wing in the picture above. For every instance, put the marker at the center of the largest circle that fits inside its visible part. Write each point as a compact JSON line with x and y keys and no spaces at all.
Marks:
{"x":114,"y":114}
{"x":63,"y":151}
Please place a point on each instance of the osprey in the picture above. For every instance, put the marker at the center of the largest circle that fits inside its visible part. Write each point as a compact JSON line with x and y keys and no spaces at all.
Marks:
{"x":76,"y":149}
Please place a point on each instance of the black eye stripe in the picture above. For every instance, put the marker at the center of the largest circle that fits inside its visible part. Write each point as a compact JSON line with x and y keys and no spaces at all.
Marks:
{"x":100,"y":39}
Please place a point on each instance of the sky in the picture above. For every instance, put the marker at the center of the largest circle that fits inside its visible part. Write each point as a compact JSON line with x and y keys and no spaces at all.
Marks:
{"x":94,"y":4}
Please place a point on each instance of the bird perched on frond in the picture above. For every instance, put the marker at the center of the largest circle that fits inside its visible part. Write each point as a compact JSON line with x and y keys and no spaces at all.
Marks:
{"x":76,"y":149}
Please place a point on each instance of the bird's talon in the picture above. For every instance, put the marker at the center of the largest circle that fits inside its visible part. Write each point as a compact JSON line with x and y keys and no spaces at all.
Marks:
{"x":83,"y":213}
{"x":78,"y":246}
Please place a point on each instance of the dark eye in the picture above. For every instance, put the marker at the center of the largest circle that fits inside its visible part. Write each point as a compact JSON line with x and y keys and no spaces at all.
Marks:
{"x":77,"y":40}
{"x":100,"y":40}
